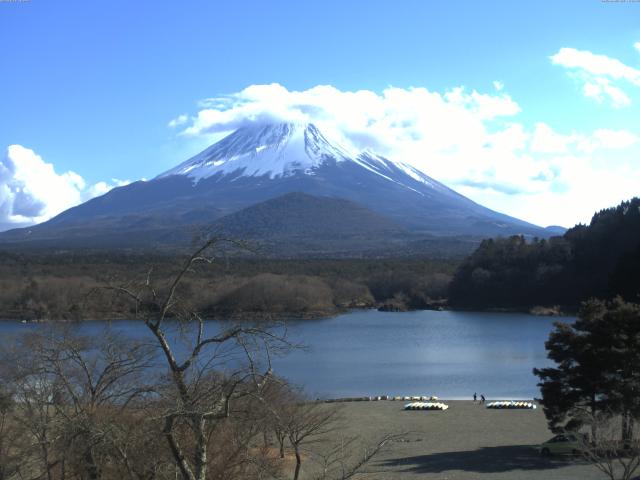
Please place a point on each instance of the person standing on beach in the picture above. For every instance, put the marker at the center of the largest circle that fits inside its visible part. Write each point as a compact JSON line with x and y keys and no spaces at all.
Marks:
{"x":482,"y":398}
{"x":475,"y":397}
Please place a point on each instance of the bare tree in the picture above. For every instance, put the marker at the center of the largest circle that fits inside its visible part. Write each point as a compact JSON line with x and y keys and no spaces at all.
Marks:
{"x":71,"y":392}
{"x":11,"y":437}
{"x":301,"y":422}
{"x":33,"y":392}
{"x":347,"y":457}
{"x":277,"y":396}
{"x":207,"y":371}
{"x":306,"y":424}
{"x":617,"y":457}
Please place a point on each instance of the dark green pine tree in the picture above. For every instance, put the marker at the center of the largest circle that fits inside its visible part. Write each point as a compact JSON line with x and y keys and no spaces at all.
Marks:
{"x":571,"y":391}
{"x":597,"y":367}
{"x":616,"y":326}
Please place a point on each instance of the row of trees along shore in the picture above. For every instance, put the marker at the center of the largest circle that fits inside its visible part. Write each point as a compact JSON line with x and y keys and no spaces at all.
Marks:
{"x":184,"y":402}
{"x":599,"y":260}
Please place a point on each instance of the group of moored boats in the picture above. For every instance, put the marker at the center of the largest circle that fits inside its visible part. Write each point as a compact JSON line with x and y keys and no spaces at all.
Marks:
{"x":426,"y":406}
{"x":510,"y":404}
{"x":415,"y":398}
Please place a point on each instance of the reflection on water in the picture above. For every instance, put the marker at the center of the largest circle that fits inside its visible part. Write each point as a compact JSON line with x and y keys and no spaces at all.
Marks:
{"x":448,"y":354}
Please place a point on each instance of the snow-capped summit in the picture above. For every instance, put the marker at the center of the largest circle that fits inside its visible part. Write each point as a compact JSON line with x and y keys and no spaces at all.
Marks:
{"x":275,"y":150}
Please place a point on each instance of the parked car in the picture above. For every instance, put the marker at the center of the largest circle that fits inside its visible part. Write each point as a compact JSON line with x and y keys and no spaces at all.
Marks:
{"x":563,"y":444}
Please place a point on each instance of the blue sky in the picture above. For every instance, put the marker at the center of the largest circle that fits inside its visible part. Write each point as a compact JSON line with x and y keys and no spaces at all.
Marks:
{"x":90,"y":87}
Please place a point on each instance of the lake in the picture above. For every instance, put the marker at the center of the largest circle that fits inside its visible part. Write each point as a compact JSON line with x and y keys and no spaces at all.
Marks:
{"x":448,"y":354}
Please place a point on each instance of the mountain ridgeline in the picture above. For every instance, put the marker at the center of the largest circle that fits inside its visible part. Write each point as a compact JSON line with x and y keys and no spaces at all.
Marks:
{"x":287,"y":185}
{"x":599,"y":260}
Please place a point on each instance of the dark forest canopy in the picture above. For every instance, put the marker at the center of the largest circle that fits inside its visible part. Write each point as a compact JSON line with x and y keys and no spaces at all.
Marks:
{"x":601,"y":260}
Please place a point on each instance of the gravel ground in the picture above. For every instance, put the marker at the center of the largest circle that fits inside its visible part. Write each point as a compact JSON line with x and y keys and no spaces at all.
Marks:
{"x":467,"y":441}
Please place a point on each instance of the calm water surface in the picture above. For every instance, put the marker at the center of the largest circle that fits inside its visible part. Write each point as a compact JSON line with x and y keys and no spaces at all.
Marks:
{"x":448,"y":354}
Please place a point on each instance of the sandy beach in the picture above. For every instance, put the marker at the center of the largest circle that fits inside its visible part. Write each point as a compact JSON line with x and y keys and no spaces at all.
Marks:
{"x":467,"y":441}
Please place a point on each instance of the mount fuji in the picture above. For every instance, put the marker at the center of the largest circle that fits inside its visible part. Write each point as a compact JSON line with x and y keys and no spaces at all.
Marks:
{"x":279,"y":181}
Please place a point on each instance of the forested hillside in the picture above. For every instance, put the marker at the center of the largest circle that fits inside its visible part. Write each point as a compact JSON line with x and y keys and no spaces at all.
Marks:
{"x":601,"y":259}
{"x":68,"y":286}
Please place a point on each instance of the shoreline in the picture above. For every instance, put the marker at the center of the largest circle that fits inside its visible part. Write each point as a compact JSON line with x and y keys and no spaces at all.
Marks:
{"x":303,"y":315}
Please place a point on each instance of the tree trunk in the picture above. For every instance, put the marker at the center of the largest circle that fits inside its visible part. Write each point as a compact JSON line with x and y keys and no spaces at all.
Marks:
{"x":594,"y":427}
{"x":176,"y":451}
{"x":93,"y":472}
{"x":281,"y":437}
{"x":45,"y":456}
{"x":201,"y":447}
{"x":627,"y":427}
{"x":298,"y":463}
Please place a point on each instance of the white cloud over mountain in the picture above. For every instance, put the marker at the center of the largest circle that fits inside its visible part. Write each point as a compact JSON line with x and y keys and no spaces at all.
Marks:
{"x":602,"y":78}
{"x":32,"y":191}
{"x":471,"y":141}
